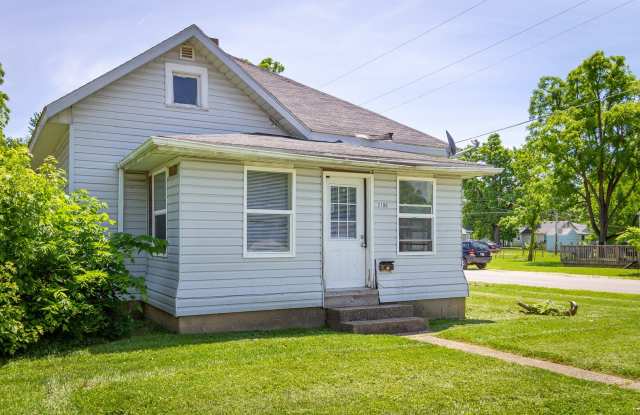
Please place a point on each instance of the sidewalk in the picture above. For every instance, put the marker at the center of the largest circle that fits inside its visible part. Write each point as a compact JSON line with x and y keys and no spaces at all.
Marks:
{"x":555,"y":280}
{"x":570,"y":371}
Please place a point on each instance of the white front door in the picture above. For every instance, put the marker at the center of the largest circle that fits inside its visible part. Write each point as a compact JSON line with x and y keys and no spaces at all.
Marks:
{"x":344,"y":233}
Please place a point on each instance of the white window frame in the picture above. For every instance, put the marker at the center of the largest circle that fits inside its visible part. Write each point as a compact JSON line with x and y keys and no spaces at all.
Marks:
{"x":431,"y":216}
{"x":189,"y":71}
{"x":164,"y":211}
{"x":291,"y":212}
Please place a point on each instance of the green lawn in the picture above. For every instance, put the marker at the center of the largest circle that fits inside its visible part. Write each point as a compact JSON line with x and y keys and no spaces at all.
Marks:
{"x":290,"y":372}
{"x":604,"y":336}
{"x":513,"y":259}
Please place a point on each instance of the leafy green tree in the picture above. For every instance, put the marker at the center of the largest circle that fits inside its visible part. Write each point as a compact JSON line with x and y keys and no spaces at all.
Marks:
{"x":62,"y":272}
{"x":271,"y":65}
{"x":588,"y":125}
{"x":533,"y":192}
{"x":488,"y":199}
{"x":4,"y":109}
{"x":631,"y":236}
{"x":33,"y":123}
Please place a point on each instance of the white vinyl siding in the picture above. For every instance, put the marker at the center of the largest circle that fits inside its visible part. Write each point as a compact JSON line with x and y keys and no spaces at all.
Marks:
{"x":215,"y":277}
{"x":420,"y":276}
{"x":114,"y":121}
{"x":162,"y":270}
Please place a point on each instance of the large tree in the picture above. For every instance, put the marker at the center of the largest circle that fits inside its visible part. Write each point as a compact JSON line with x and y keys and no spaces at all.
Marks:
{"x":487,"y":199}
{"x":588,"y":126}
{"x":533,"y":200}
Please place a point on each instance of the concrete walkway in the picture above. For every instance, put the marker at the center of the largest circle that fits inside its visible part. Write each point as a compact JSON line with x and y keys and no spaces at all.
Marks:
{"x":570,"y":371}
{"x":555,"y":280}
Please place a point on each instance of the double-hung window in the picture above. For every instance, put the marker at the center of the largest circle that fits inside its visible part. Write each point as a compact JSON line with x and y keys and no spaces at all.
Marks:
{"x":416,"y":216}
{"x":186,"y":85}
{"x":269,"y":212}
{"x":159,"y":205}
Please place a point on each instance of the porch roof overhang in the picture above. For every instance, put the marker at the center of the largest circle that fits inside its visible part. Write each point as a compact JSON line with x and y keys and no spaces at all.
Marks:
{"x":159,"y":150}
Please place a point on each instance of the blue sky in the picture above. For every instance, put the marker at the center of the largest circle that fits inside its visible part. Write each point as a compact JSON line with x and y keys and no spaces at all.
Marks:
{"x":50,"y":48}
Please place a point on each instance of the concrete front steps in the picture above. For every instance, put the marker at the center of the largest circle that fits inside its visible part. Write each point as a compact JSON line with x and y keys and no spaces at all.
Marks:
{"x":359,"y":311}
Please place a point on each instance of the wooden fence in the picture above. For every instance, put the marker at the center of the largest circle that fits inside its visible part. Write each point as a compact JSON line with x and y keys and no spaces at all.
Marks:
{"x":601,"y":255}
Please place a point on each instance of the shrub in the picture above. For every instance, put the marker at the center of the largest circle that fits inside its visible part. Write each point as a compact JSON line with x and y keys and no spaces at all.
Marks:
{"x":62,"y":272}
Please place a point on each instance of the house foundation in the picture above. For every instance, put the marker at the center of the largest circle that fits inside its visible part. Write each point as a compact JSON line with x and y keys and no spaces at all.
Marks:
{"x":313,"y":317}
{"x":439,"y":308}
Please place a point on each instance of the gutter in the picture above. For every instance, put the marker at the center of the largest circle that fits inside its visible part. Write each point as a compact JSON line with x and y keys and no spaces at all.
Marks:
{"x":174,"y":146}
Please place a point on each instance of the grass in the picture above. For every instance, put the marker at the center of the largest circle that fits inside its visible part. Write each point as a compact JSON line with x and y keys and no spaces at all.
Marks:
{"x":604,"y":336}
{"x":312,"y":371}
{"x":513,"y":259}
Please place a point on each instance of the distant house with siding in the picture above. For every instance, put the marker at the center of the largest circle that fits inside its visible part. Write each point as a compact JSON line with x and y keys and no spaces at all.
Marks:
{"x":277,"y":201}
{"x":568,"y":233}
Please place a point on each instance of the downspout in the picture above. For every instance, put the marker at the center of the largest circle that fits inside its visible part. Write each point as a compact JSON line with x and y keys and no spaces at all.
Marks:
{"x":120,"y":199}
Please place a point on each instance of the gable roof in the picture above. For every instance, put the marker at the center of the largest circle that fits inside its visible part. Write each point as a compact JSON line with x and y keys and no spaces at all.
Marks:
{"x":302,"y":110}
{"x":324,"y":113}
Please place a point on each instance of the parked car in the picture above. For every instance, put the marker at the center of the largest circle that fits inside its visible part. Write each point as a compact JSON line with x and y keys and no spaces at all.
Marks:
{"x":475,"y":252}
{"x":493,"y":246}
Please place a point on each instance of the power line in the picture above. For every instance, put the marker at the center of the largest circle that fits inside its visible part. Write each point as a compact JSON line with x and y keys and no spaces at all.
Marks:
{"x":544,"y":117}
{"x":476,"y":52}
{"x":513,"y":55}
{"x":406,"y":42}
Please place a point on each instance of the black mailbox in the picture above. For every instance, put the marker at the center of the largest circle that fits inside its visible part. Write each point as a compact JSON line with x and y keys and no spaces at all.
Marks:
{"x":386,"y":266}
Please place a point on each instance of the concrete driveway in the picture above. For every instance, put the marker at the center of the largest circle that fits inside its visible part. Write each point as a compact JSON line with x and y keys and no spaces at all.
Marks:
{"x":555,"y":280}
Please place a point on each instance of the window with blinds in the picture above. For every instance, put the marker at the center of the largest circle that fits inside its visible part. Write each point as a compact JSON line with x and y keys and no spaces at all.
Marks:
{"x":269,"y":212}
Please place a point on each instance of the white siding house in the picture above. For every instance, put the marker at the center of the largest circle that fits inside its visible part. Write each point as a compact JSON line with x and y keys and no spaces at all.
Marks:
{"x":272,"y":196}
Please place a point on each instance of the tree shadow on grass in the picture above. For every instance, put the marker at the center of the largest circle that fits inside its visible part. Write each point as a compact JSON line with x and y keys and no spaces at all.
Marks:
{"x":148,"y":336}
{"x":440,"y":325}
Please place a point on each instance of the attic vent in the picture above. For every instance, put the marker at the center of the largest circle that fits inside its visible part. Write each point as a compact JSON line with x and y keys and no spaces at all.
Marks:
{"x":187,"y":52}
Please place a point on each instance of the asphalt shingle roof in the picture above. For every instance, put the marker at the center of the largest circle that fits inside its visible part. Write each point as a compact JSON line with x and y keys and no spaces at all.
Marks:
{"x":338,"y":151}
{"x":324,"y":113}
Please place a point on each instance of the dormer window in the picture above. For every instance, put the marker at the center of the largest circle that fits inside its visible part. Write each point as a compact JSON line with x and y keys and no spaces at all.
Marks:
{"x":186,"y":85}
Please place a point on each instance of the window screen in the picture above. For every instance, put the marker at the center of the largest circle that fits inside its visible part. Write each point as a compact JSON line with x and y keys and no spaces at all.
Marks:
{"x":415,"y":216}
{"x":269,"y":213}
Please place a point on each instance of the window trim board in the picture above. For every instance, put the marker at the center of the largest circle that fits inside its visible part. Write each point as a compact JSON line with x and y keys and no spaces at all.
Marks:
{"x":192,"y":71}
{"x":164,"y":211}
{"x":292,"y":214}
{"x":431,"y":215}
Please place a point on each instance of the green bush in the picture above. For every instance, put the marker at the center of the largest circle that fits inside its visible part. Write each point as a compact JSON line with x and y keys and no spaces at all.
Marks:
{"x":62,"y":272}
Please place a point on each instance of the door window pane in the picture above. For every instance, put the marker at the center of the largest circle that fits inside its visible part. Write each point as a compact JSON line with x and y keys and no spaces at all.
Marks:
{"x":343,"y":212}
{"x":185,"y":90}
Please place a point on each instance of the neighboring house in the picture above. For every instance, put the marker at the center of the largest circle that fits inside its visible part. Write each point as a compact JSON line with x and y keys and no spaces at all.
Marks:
{"x":569,"y":233}
{"x":466,"y":234}
{"x":273,"y":197}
